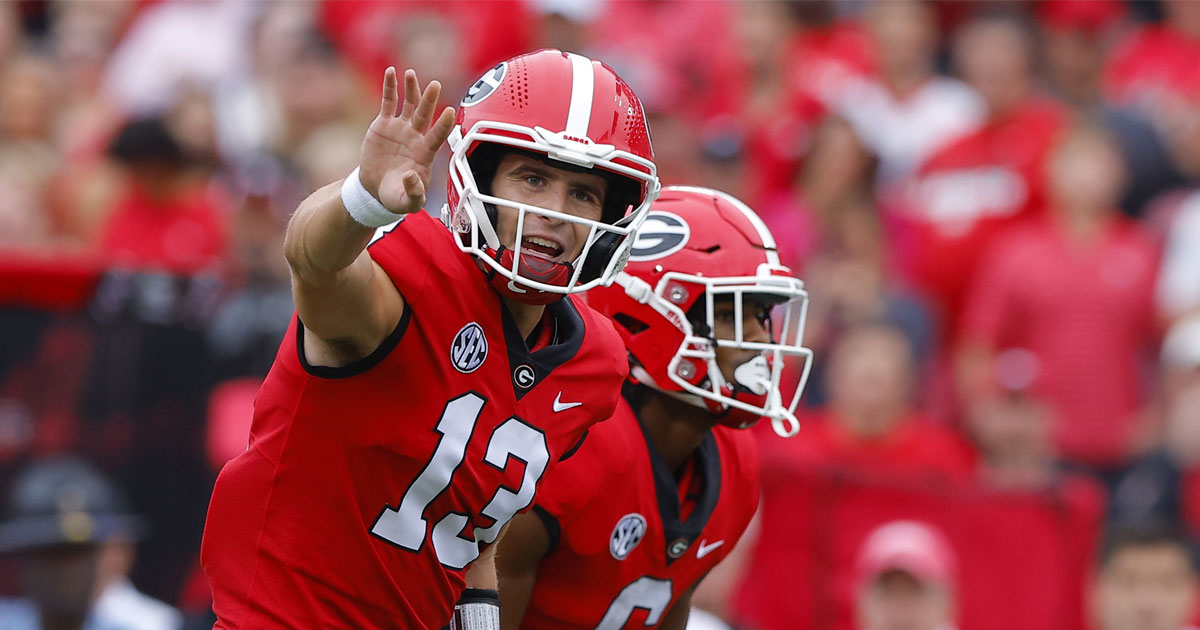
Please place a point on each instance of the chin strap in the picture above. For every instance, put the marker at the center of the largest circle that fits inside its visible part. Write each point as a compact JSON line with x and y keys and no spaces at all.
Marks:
{"x":556,"y":274}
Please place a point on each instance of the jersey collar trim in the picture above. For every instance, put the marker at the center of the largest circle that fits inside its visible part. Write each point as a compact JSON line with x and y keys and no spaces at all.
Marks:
{"x":568,"y":339}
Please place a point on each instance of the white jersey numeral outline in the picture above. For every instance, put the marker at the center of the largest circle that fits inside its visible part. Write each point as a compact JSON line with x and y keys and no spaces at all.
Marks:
{"x":406,"y":526}
{"x":649,"y":594}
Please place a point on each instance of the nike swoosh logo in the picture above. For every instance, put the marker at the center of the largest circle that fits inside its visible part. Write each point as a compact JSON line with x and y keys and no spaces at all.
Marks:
{"x":559,"y":405}
{"x":703,"y":549}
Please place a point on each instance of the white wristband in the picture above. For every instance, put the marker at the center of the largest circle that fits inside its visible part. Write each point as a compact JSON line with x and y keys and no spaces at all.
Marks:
{"x":363,"y":207}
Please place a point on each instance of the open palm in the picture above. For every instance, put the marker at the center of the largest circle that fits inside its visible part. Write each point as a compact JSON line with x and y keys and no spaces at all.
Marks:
{"x":397,"y":153}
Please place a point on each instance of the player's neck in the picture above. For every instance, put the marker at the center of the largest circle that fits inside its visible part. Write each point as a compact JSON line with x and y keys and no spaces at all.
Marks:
{"x":525,"y":316}
{"x":676,"y":428}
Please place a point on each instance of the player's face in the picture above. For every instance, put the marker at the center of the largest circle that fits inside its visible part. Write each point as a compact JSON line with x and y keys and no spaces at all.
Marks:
{"x":755,"y":328}
{"x":899,"y":601}
{"x":1146,"y":588}
{"x":530,"y":181}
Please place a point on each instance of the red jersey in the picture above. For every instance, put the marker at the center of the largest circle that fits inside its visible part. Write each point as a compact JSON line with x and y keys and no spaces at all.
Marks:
{"x":971,"y":190}
{"x":621,"y":555}
{"x":1086,"y":311}
{"x":367,"y":490}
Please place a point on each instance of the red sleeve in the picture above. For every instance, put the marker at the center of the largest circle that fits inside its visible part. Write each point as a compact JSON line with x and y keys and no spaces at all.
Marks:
{"x":989,"y":305}
{"x":406,"y":250}
{"x":570,"y":485}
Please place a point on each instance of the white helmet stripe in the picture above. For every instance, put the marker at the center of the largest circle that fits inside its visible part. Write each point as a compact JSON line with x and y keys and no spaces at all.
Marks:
{"x":583,"y":85}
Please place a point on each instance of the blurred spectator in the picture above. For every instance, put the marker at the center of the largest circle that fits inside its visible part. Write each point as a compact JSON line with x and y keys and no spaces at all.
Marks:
{"x":870,"y":426}
{"x":247,"y":104}
{"x":1156,"y":70}
{"x":1164,"y":484}
{"x":82,"y":37}
{"x":906,"y":579}
{"x":1012,"y":428}
{"x":1076,"y":291}
{"x":564,"y":24}
{"x":967,"y":192}
{"x":1147,"y":580}
{"x":10,"y":30}
{"x":163,"y":218}
{"x":1076,"y":34}
{"x":72,"y":542}
{"x":798,"y":62}
{"x":850,"y":281}
{"x":175,"y":44}
{"x":1178,"y":291}
{"x":28,"y":156}
{"x":314,"y":89}
{"x":908,"y":112}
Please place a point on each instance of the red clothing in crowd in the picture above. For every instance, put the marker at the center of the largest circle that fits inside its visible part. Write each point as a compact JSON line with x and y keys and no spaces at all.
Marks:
{"x":1086,"y":313}
{"x":365,"y":31}
{"x":968,"y":192}
{"x":916,"y":448}
{"x":1157,"y":67}
{"x":821,"y":64}
{"x":182,"y":234}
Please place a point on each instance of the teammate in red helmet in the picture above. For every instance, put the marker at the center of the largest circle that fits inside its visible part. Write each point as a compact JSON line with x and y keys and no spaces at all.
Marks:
{"x":434,"y":374}
{"x":621,"y":534}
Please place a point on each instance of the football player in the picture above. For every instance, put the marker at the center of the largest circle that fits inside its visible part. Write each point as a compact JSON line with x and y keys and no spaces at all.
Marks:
{"x":430,"y":379}
{"x":621,"y":535}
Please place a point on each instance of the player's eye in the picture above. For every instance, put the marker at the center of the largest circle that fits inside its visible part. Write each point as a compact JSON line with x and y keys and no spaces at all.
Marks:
{"x":724,"y":315}
{"x":534,"y":180}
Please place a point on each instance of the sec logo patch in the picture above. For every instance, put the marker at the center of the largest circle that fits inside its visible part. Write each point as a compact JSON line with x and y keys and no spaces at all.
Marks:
{"x":469,"y":348}
{"x":626,"y":535}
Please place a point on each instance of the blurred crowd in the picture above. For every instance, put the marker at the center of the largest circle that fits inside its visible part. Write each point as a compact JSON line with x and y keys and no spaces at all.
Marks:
{"x":995,"y":207}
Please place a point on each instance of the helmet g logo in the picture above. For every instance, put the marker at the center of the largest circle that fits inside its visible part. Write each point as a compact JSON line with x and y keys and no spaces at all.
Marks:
{"x":626,"y":535}
{"x":661,"y":234}
{"x":484,"y":87}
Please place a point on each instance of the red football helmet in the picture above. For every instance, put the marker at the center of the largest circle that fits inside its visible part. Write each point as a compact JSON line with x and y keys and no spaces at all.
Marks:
{"x":698,"y":246}
{"x":576,"y":112}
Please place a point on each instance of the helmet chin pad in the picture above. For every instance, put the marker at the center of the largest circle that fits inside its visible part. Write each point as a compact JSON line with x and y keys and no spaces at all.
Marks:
{"x":533,"y":268}
{"x":736,"y":417}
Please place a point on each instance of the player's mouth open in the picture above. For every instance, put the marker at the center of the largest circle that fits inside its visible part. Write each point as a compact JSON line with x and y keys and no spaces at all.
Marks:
{"x":543,"y":248}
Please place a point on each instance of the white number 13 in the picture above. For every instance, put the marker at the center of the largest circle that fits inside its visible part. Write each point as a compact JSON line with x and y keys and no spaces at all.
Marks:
{"x":406,"y":526}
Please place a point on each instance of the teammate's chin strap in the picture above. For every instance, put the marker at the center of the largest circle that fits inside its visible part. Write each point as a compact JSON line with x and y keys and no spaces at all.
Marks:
{"x":477,"y":609}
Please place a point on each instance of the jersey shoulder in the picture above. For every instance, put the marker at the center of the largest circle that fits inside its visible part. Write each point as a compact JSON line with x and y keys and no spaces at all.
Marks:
{"x":418,"y":252}
{"x":604,"y":345}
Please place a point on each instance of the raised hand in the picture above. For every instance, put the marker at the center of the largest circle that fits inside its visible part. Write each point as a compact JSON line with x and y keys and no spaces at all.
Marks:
{"x":397,"y":154}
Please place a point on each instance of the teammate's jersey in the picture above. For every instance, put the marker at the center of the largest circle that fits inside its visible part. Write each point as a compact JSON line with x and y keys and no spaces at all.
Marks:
{"x":620,"y":555}
{"x":365,"y":489}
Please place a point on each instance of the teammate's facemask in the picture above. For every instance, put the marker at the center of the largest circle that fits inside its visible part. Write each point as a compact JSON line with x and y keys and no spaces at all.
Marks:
{"x":697,"y":248}
{"x":754,"y":391}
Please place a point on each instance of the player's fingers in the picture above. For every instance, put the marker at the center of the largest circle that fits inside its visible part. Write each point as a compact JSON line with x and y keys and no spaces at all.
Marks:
{"x":387,"y":108}
{"x":414,"y":188}
{"x":424,"y":115}
{"x":412,"y":93}
{"x":441,"y":129}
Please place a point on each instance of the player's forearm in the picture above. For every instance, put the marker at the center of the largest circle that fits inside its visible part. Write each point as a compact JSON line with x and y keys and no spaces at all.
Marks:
{"x":482,"y":573}
{"x":322,"y":238}
{"x":514,"y":599}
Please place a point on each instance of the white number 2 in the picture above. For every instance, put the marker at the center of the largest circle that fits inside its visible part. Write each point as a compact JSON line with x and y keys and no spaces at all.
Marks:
{"x":647,"y":593}
{"x":406,"y":526}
